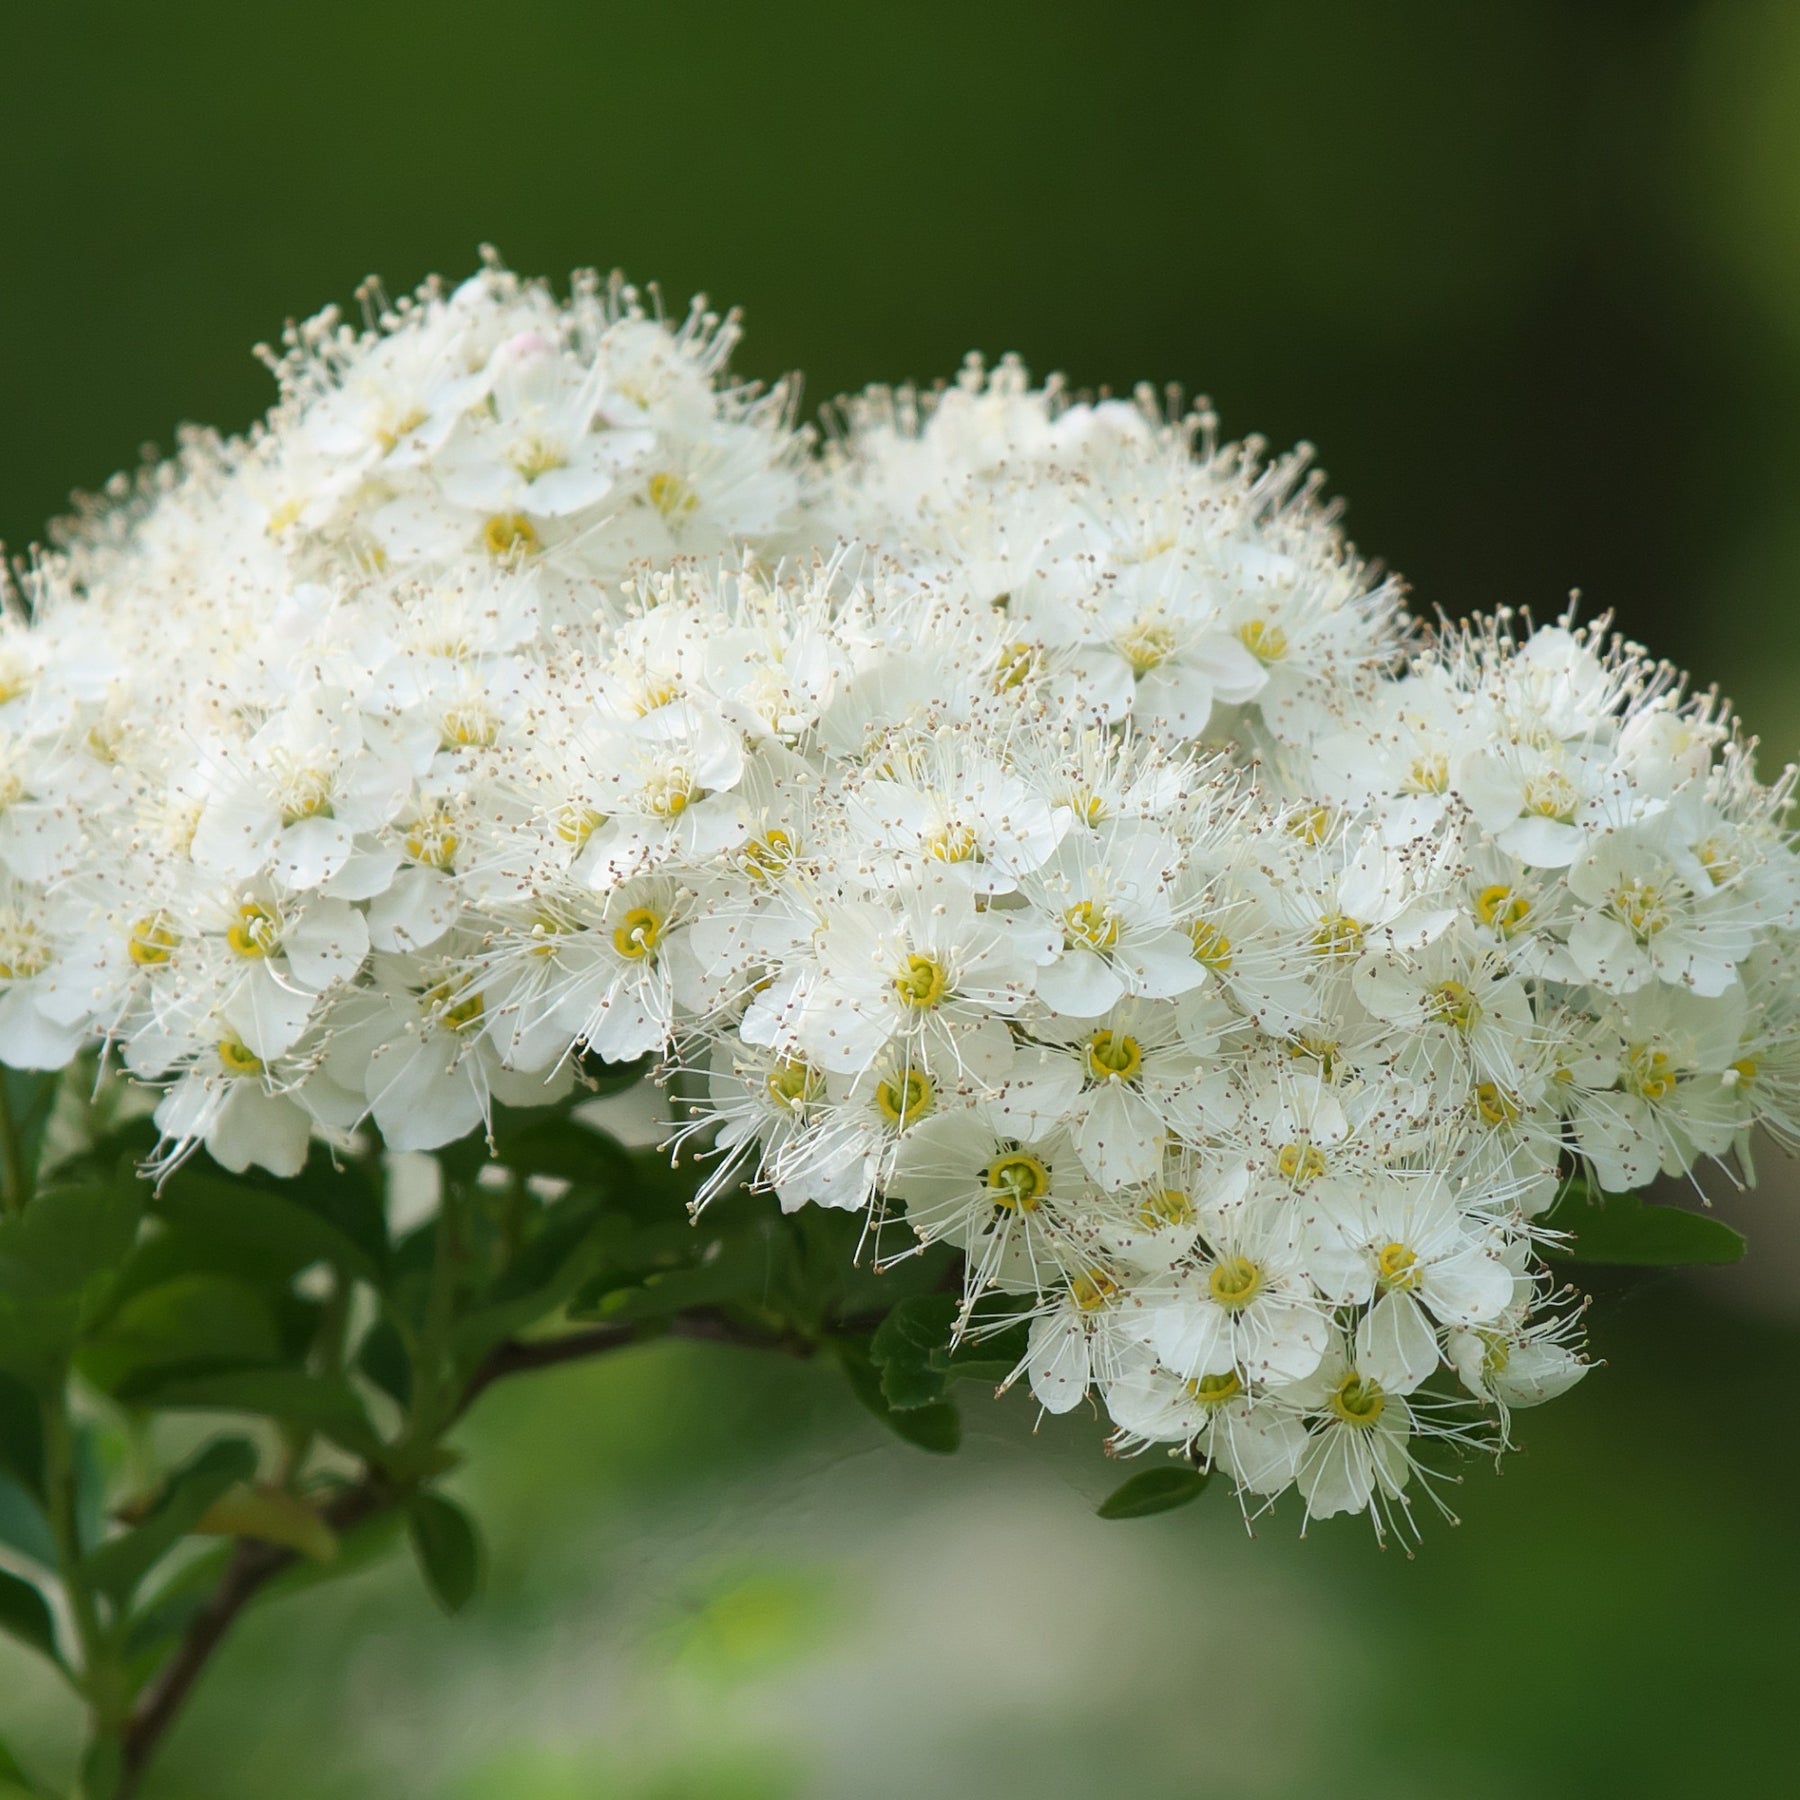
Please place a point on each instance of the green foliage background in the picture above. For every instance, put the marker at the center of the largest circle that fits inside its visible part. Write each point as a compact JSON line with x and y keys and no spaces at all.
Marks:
{"x":1529,"y":275}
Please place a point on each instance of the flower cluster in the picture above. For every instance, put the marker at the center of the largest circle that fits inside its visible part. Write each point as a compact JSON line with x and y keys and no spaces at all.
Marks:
{"x":1025,"y":822}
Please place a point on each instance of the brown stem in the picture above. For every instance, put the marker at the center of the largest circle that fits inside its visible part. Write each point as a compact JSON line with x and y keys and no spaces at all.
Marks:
{"x":253,"y":1565}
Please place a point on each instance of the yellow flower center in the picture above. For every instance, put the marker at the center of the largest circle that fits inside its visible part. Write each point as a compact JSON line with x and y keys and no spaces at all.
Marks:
{"x":793,"y":1084}
{"x":1357,"y":1402}
{"x":1015,"y":666}
{"x":257,"y":932}
{"x":1090,"y":925}
{"x":432,"y":840}
{"x":1086,"y":805}
{"x":1234,"y":1282}
{"x":954,"y":844}
{"x":151,"y":941}
{"x":1428,"y":774}
{"x":1300,"y":1163}
{"x":1719,"y":862}
{"x":575,"y":823}
{"x":1551,"y":796}
{"x":1396,"y":1267}
{"x":534,"y":456}
{"x":1092,"y":1289}
{"x":1147,"y":645}
{"x":471,"y":726}
{"x":1264,"y":639}
{"x":236,"y":1058}
{"x":1169,"y":1206}
{"x":1323,"y":1052}
{"x":24,"y":951}
{"x":1641,"y":907}
{"x":1211,"y":946}
{"x":510,"y":535}
{"x":1743,"y":1070}
{"x":922,"y":983}
{"x":670,"y":495}
{"x":636,"y":936}
{"x":1492,"y":1106}
{"x":1215,"y":1390}
{"x":454,"y":1008}
{"x":1502,"y":908}
{"x":1017,"y":1181}
{"x":1310,"y":824}
{"x":765,"y":857}
{"x":308,"y":797}
{"x":669,"y":793}
{"x":1453,"y":1005}
{"x":1649,"y":1072}
{"x":1113,"y":1056}
{"x":1338,"y":936}
{"x":905,"y":1099}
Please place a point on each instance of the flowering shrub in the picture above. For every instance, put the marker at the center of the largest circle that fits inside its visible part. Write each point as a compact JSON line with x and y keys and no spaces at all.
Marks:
{"x":1089,"y":938}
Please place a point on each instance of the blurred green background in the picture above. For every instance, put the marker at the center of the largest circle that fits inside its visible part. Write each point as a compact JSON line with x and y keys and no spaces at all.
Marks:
{"x":1529,"y":276}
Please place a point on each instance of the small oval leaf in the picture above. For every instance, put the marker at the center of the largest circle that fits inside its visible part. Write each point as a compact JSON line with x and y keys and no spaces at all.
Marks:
{"x":449,"y":1553}
{"x":1153,"y":1491}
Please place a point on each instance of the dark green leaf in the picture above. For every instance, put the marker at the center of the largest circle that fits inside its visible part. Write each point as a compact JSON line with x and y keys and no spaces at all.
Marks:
{"x":21,"y":1434}
{"x":117,"y":1566}
{"x":383,"y":1359}
{"x":25,"y":1615}
{"x":730,"y":1268}
{"x":449,"y":1553}
{"x":571,"y":1241}
{"x":172,"y":1605}
{"x":30,"y":1100}
{"x":101,"y":1769}
{"x":23,"y":1525}
{"x":57,"y":1263}
{"x":193,"y":1320}
{"x":326,"y":1403}
{"x":266,"y":1229}
{"x":1153,"y":1491}
{"x":907,"y":1346}
{"x":936,"y":1427}
{"x":1620,"y":1229}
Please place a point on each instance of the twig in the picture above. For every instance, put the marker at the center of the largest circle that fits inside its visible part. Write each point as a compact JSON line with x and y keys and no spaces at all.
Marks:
{"x":253,"y":1564}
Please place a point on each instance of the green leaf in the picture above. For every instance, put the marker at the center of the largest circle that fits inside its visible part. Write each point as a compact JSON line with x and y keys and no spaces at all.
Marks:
{"x":382,"y":1358}
{"x":117,"y":1566}
{"x":21,"y":1434}
{"x":101,"y":1768}
{"x":15,"y":1784}
{"x":1620,"y":1229}
{"x":326,"y":1403}
{"x":266,"y":1229}
{"x":271,"y":1515}
{"x":936,"y":1427}
{"x":1153,"y":1491}
{"x":571,"y":1241}
{"x":358,"y":1549}
{"x":449,"y":1553}
{"x":193,"y":1320}
{"x":907,"y":1346}
{"x":30,"y":1100}
{"x":25,"y":1615}
{"x":57,"y":1261}
{"x":23,"y":1525}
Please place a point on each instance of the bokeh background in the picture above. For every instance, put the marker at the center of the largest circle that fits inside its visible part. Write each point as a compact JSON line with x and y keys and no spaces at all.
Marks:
{"x":1529,"y":277}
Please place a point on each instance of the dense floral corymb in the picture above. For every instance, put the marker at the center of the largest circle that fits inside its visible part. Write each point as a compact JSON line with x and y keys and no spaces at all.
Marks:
{"x":1024,"y":821}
